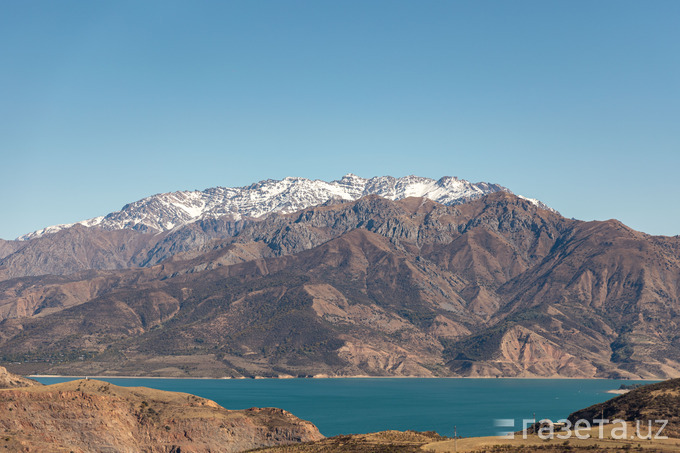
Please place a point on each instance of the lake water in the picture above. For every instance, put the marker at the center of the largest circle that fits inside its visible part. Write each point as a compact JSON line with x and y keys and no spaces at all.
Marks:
{"x":344,"y":406}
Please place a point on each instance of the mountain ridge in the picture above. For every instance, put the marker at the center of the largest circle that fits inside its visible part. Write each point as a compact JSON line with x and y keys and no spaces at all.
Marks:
{"x":166,"y":211}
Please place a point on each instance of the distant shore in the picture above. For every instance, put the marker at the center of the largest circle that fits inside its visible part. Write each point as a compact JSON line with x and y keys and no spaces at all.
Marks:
{"x":59,"y":376}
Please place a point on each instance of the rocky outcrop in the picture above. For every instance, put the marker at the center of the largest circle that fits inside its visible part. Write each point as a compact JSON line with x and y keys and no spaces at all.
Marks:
{"x":90,"y":416}
{"x":9,"y":380}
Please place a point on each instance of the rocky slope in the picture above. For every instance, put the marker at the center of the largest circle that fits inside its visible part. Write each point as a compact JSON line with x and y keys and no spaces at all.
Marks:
{"x":494,"y":287}
{"x":8,"y":247}
{"x":73,"y":250}
{"x":90,"y":415}
{"x":9,"y":380}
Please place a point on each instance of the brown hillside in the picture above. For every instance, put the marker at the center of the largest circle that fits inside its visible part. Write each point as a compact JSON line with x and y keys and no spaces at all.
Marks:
{"x":9,"y":380}
{"x":660,"y":401}
{"x":90,"y":415}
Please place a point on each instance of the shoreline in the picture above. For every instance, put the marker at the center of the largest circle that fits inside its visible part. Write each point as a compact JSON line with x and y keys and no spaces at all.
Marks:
{"x":61,"y":376}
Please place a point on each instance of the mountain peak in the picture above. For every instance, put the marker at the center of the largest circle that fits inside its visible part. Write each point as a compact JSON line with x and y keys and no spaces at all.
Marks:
{"x":166,"y":211}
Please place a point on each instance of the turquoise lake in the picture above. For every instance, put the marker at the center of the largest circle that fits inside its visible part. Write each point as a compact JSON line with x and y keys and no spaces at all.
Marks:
{"x":344,"y":406}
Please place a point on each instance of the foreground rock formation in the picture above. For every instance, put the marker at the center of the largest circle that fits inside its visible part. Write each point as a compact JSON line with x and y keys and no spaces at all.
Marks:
{"x":9,"y":380}
{"x":660,"y":401}
{"x":95,"y":416}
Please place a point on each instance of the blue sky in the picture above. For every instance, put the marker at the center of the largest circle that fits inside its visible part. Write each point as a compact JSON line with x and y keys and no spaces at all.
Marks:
{"x":576,"y":103}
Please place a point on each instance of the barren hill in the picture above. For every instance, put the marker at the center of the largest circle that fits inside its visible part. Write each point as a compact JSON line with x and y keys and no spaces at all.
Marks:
{"x":90,"y":415}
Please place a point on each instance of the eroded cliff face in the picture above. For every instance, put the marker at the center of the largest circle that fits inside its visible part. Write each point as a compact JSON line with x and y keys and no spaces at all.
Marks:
{"x":91,"y":415}
{"x":524,"y":353}
{"x":9,"y":380}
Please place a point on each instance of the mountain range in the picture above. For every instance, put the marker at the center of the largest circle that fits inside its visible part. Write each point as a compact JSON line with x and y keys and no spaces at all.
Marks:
{"x":163,"y":212}
{"x":150,"y":230}
{"x":461,"y":280}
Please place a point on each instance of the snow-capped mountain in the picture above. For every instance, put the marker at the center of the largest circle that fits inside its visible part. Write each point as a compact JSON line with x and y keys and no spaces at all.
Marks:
{"x":166,"y":211}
